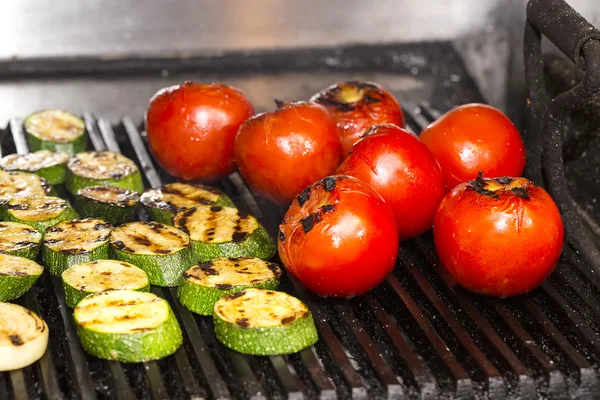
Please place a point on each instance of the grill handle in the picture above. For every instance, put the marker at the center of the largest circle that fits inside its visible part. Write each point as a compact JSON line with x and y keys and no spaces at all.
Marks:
{"x":564,"y":26}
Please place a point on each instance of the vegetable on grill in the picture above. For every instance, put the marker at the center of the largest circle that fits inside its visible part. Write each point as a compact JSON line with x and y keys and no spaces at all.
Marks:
{"x":98,"y":168}
{"x":113,"y":204}
{"x":263,"y":322}
{"x":38,"y":211}
{"x":204,"y":284}
{"x":55,"y":130}
{"x":23,"y":337}
{"x":74,"y":242}
{"x":218,"y":231}
{"x":98,"y":276}
{"x":127,"y":326}
{"x":162,"y":251}
{"x":22,"y":184}
{"x":18,"y":239}
{"x":163,"y":203}
{"x":17,"y":276}
{"x":50,"y":166}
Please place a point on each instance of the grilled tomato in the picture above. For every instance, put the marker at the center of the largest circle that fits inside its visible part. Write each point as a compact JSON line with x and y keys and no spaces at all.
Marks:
{"x":357,"y":106}
{"x":282,"y":152}
{"x":191,"y":129}
{"x":501,"y":237}
{"x":338,"y":237}
{"x":403,"y":171}
{"x":473,"y":138}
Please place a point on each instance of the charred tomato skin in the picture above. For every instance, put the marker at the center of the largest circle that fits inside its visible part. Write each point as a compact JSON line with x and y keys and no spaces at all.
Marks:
{"x":357,"y":106}
{"x":280,"y":153}
{"x":403,"y":171}
{"x":191,"y":129}
{"x":500,"y":237}
{"x":472,"y":138}
{"x":338,"y":238}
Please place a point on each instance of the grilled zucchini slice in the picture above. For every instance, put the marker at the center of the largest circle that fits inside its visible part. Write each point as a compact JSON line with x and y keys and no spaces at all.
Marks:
{"x":203,"y":284}
{"x":50,"y":166}
{"x":163,"y":203}
{"x":20,"y":240}
{"x":218,"y":231}
{"x":74,"y":242}
{"x":99,"y":168}
{"x":162,"y":251}
{"x":113,"y":204}
{"x":127,"y":326}
{"x":17,"y":276}
{"x":38,"y":211}
{"x":22,"y":184}
{"x":263,"y":322}
{"x":55,"y":130}
{"x":23,"y":337}
{"x":98,"y":276}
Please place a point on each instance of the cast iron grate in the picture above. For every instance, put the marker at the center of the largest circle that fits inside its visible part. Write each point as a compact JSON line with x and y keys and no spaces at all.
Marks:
{"x":418,"y":335}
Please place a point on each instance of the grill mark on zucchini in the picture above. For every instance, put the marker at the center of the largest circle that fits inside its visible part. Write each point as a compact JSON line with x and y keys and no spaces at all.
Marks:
{"x":77,"y":236}
{"x":32,"y":162}
{"x":112,"y":195}
{"x":16,"y":236}
{"x":22,"y":184}
{"x":55,"y":125}
{"x":101,"y":165}
{"x":148,"y":238}
{"x":36,"y":208}
{"x":225,"y":273}
{"x":177,"y":197}
{"x":216,"y":224}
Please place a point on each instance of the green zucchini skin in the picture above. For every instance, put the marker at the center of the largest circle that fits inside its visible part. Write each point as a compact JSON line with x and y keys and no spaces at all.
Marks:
{"x":36,"y":143}
{"x":6,"y":213}
{"x":201,"y":299}
{"x":162,"y":269}
{"x":73,"y":295}
{"x":138,"y":346}
{"x":15,"y":283}
{"x":46,"y":164}
{"x":264,"y":341}
{"x":132,"y":180}
{"x":58,"y":261}
{"x":116,"y":213}
{"x":27,"y":247}
{"x":257,"y":244}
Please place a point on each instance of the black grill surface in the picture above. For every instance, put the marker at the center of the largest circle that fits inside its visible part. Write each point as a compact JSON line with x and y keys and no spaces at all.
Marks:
{"x":418,"y":335}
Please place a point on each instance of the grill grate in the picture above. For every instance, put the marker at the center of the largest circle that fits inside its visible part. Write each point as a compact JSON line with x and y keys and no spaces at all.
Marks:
{"x":418,"y":335}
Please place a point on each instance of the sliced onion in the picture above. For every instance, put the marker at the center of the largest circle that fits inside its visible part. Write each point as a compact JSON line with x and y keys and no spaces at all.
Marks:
{"x":23,"y":337}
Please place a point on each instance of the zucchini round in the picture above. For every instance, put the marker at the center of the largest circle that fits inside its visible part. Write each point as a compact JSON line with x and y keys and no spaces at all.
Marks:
{"x":55,"y":130}
{"x":263,"y":322}
{"x":74,"y":242}
{"x":113,"y":204}
{"x":102,"y":168}
{"x":37,"y":211}
{"x":22,"y":184}
{"x":162,"y":251}
{"x":23,"y":337}
{"x":98,"y":276}
{"x":127,"y":326}
{"x":218,"y":231}
{"x":202,"y":285}
{"x":20,"y":240}
{"x":50,"y":166}
{"x":17,"y":276}
{"x":163,"y":203}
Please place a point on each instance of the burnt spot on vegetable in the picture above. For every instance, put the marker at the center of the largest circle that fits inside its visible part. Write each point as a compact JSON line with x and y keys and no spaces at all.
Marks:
{"x":18,"y":207}
{"x":52,"y":241}
{"x":163,"y":251}
{"x":370,"y":99}
{"x":281,"y":235}
{"x":183,"y":225}
{"x":521,"y":192}
{"x":234,"y":296}
{"x":327,"y":208}
{"x":25,"y":243}
{"x":101,"y":226}
{"x":16,"y":340}
{"x":274,"y":268}
{"x":304,"y":196}
{"x":191,"y":211}
{"x":216,"y":208}
{"x":242,"y":322}
{"x":223,"y":286}
{"x":279,"y":103}
{"x":116,"y":175}
{"x":288,"y":320}
{"x":478,"y":184}
{"x":328,"y":183}
{"x":239,"y":236}
{"x":504,"y":180}
{"x":76,"y":250}
{"x":119,"y":245}
{"x":142,"y":240}
{"x":317,"y":216}
{"x":308,"y":223}
{"x":243,"y":214}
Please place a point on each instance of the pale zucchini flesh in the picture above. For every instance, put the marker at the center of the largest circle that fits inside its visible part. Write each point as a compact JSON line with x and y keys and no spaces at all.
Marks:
{"x":98,"y":276}
{"x":114,"y":204}
{"x":218,"y":231}
{"x":23,"y":337}
{"x":17,"y":276}
{"x":22,"y":184}
{"x":55,"y":130}
{"x":19,"y":240}
{"x":39,"y":212}
{"x":263,"y":322}
{"x":127,"y":326}
{"x":162,"y":251}
{"x":49,"y":165}
{"x":202,"y":285}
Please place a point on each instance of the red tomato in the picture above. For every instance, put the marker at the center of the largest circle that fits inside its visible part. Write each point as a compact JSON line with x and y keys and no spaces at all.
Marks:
{"x":473,"y":138}
{"x":281,"y":153}
{"x":403,"y":171}
{"x":191,"y":128}
{"x":357,"y":106}
{"x":501,"y":237}
{"x":338,"y":237}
